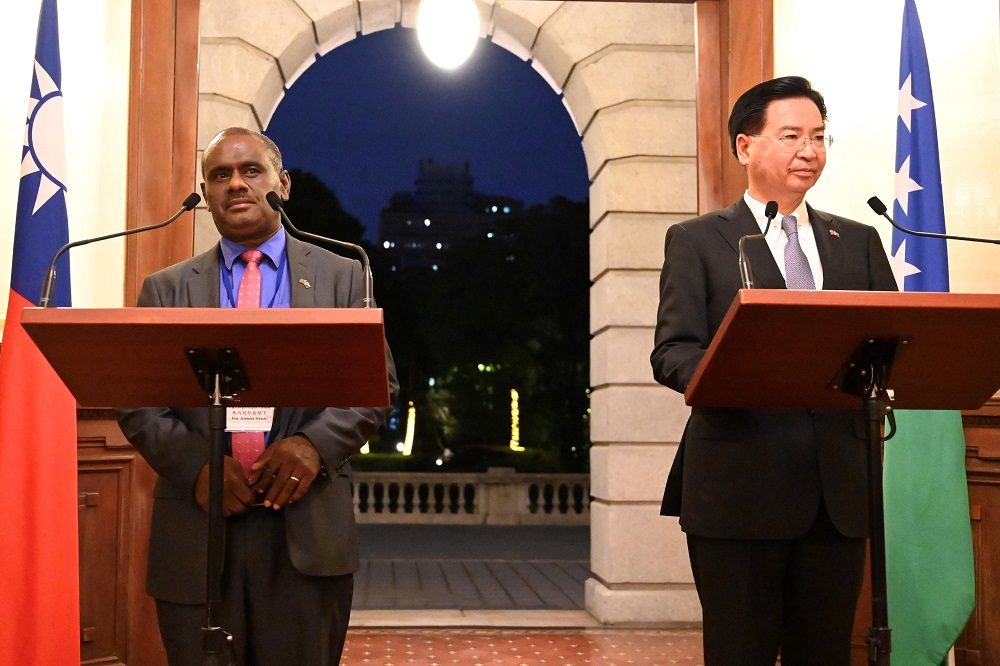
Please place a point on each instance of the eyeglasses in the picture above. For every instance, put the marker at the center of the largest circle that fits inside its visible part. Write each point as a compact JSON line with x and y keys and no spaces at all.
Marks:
{"x":794,"y":142}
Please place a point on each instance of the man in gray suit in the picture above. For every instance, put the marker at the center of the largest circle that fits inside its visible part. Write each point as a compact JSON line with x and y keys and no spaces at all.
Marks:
{"x":773,"y":501}
{"x":291,"y":539}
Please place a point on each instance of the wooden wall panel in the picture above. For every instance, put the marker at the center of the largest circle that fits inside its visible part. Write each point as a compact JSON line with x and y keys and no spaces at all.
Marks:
{"x":735,"y":51}
{"x":117,"y":617}
{"x":980,"y":642}
{"x":103,"y":488}
{"x":162,"y":145}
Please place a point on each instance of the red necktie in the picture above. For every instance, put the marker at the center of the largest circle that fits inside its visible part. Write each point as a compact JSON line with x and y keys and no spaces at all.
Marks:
{"x":247,"y":446}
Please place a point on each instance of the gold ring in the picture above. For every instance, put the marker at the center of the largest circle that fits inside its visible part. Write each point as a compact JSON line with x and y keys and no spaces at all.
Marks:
{"x":293,"y":478}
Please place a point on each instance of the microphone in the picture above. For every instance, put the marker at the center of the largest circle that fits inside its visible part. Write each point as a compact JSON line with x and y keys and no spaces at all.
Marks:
{"x":746,"y":276}
{"x":880,"y":209}
{"x":49,"y":285}
{"x":278,"y":205}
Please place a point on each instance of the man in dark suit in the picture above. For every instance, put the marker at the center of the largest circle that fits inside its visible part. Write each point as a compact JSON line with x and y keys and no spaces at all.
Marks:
{"x":773,"y":502}
{"x":291,"y":541}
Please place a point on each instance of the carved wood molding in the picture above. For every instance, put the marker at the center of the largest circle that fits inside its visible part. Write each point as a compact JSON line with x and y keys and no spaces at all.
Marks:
{"x":163,"y":121}
{"x":735,"y":46}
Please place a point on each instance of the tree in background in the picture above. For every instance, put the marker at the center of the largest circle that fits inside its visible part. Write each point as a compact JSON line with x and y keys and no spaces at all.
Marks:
{"x":314,"y":207}
{"x":500,"y":313}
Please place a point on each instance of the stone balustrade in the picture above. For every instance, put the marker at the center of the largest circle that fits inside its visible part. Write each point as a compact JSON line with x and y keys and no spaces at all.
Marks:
{"x":499,"y":497}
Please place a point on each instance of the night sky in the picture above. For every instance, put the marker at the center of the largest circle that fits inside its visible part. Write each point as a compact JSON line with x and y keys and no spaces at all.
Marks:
{"x":362,"y":117}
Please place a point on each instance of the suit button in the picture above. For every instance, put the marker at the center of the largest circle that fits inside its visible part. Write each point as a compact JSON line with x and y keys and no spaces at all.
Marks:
{"x":812,"y":412}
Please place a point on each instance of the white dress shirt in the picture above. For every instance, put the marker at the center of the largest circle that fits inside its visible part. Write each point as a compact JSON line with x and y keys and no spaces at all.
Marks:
{"x":777,"y":239}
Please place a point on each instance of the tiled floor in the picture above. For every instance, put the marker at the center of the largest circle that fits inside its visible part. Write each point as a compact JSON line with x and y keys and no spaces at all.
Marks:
{"x":472,"y":567}
{"x":470,"y":584}
{"x":477,"y":596}
{"x":521,"y":647}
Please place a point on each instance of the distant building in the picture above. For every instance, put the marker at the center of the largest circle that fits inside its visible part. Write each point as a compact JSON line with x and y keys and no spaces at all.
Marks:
{"x":417,"y":226}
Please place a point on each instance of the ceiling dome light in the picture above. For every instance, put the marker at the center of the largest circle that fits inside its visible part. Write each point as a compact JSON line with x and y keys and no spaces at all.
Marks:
{"x":447,"y":31}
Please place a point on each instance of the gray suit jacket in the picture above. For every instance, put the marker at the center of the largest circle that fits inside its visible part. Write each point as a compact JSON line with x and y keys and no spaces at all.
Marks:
{"x":321,"y":532}
{"x":758,"y":474}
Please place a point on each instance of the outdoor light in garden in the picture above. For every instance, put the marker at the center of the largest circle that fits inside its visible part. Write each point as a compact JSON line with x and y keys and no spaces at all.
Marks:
{"x":411,"y":420}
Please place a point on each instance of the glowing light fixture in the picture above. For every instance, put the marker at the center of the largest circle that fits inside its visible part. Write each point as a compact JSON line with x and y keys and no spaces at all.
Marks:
{"x":515,"y":423}
{"x":411,"y":419}
{"x":366,"y":449}
{"x":447,"y":31}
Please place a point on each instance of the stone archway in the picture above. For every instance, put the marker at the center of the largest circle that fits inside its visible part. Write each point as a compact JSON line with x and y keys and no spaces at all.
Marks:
{"x":627,"y":76}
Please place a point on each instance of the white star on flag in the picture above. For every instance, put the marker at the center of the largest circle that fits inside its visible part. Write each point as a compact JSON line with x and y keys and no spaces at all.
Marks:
{"x":907,"y":103}
{"x":905,"y":185}
{"x":900,"y":267}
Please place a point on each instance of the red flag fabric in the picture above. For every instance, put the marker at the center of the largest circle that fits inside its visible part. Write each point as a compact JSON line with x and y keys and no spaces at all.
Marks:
{"x":39,"y":541}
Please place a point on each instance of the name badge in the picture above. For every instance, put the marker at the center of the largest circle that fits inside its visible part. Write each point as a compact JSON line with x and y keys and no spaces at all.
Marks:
{"x":249,"y":419}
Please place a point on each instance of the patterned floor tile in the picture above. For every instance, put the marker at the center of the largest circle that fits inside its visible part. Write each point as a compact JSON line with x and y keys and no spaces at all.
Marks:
{"x":518,"y":647}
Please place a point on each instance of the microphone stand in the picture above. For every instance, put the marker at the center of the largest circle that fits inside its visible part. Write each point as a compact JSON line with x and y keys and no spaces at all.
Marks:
{"x":221,"y":374}
{"x":49,"y":284}
{"x":880,"y":209}
{"x":275,"y":201}
{"x":746,"y":274}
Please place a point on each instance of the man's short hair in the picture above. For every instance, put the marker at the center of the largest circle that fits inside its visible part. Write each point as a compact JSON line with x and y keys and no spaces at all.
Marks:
{"x":272,"y":148}
{"x":750,"y":111}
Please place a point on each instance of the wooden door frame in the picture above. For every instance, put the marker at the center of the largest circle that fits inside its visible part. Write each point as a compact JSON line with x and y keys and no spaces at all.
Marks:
{"x":734,"y":51}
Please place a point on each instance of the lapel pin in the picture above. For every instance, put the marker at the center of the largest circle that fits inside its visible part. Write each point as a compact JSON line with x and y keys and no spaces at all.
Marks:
{"x":834,"y":233}
{"x":305,"y":283}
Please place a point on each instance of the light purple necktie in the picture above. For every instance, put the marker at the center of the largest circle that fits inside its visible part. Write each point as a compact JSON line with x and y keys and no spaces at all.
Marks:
{"x":798,"y":275}
{"x":247,"y":446}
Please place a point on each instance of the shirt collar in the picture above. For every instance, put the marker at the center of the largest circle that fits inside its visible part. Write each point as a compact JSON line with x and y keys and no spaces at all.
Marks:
{"x":273,"y":249}
{"x":757,"y":208}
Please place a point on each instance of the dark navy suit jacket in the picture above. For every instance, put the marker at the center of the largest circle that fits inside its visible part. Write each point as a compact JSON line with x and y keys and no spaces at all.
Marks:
{"x":755,"y":473}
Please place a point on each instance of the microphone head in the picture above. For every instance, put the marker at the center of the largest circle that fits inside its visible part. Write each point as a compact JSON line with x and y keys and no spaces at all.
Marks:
{"x":771,"y":209}
{"x":275,"y":201}
{"x":877,"y":205}
{"x":191,"y":201}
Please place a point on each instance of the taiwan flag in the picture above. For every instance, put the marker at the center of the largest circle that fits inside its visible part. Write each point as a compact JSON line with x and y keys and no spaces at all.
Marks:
{"x":39,"y":544}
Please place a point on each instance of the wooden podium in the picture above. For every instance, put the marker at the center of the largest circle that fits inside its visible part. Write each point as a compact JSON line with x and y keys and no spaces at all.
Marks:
{"x":950,"y":361}
{"x":844,"y":350}
{"x":212,"y":357}
{"x":293,"y":357}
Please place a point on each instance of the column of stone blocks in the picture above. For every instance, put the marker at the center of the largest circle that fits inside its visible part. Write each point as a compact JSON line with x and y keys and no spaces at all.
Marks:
{"x":245,"y":66}
{"x":627,"y":73}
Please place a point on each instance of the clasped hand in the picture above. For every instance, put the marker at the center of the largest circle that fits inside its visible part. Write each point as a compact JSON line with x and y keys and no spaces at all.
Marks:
{"x":281,"y":475}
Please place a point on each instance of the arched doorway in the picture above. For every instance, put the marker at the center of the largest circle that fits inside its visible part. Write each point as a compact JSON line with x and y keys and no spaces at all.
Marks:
{"x":627,"y":77}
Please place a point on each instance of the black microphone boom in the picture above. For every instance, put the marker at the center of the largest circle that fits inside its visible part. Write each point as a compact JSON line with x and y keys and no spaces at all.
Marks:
{"x":880,"y":209}
{"x":746,"y":274}
{"x":277,"y":204}
{"x":49,"y":285}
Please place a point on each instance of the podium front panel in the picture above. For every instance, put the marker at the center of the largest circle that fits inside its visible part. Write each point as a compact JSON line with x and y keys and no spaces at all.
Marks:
{"x":782,"y":348}
{"x":293,"y":357}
